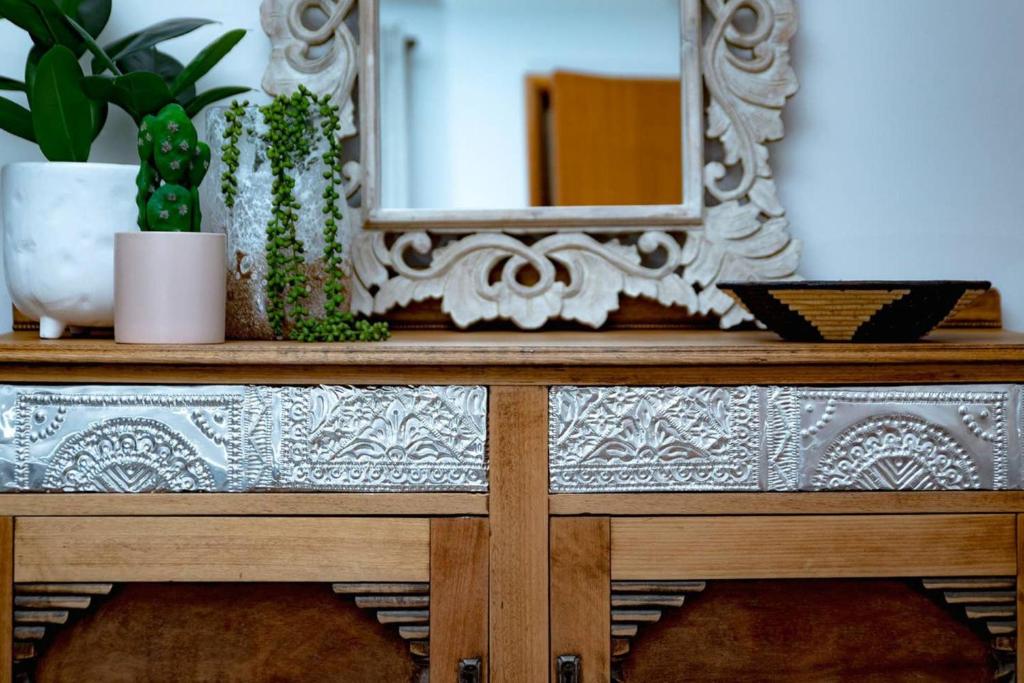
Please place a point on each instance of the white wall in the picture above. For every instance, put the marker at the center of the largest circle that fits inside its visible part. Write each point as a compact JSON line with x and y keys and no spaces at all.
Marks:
{"x":903,"y":150}
{"x":903,"y":145}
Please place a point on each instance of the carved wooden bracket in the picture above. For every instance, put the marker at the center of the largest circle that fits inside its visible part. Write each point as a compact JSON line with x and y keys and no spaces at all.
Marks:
{"x":41,"y":608}
{"x":405,"y":606}
{"x":637,"y":603}
{"x":989,"y":604}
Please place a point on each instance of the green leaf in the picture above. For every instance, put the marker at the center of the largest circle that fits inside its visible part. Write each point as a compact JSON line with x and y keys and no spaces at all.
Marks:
{"x":31,"y":66}
{"x":213,"y":95}
{"x":93,"y":15}
{"x":160,"y":63}
{"x":91,"y":44}
{"x":141,"y":93}
{"x":16,"y":120}
{"x":98,"y":87}
{"x":99,"y":117}
{"x":24,"y":15}
{"x":61,"y":113}
{"x":11,"y":84}
{"x":150,"y":36}
{"x":206,"y":60}
{"x":57,"y":23}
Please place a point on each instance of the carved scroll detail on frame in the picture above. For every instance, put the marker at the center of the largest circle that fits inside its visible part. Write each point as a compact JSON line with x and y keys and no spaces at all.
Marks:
{"x":744,"y":234}
{"x":324,"y":58}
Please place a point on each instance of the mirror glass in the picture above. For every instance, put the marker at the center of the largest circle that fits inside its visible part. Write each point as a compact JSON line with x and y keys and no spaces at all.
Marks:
{"x":509,"y":104}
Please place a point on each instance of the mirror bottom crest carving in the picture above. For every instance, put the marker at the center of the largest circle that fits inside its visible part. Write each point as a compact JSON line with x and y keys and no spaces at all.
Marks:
{"x":573,"y":276}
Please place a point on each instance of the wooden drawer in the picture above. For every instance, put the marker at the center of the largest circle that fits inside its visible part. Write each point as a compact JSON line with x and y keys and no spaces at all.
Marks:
{"x":809,"y":546}
{"x":128,"y":549}
{"x":749,"y":438}
{"x":236,"y":438}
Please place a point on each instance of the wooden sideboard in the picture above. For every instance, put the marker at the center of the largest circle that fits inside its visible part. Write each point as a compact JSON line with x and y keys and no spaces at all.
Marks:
{"x":518,"y":575}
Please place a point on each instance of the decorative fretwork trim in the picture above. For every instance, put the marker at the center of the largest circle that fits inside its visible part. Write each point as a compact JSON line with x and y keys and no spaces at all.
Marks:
{"x":990,"y":605}
{"x":641,"y":603}
{"x":403,"y":606}
{"x":40,"y":609}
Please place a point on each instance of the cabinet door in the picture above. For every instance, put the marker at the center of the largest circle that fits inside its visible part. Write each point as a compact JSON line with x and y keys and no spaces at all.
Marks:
{"x":246,"y":598}
{"x":802,"y":598}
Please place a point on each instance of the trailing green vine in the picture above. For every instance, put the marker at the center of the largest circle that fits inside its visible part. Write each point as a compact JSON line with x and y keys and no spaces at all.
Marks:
{"x":230,"y":153}
{"x":289,"y":137}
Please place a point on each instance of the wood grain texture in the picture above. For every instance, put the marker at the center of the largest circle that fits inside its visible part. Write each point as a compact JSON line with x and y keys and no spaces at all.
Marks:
{"x":125,"y":549}
{"x":641,"y":348}
{"x":654,"y":357}
{"x":810,"y":631}
{"x":986,"y":311}
{"x":813,"y":546}
{"x":228,"y":633}
{"x":802,"y":503}
{"x":581,"y":594}
{"x":518,"y":452}
{"x":6,"y":598}
{"x":458,"y":595}
{"x":239,"y":504}
{"x":1020,"y":593}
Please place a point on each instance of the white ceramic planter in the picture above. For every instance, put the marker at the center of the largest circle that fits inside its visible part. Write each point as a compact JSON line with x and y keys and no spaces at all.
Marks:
{"x":169,"y":288}
{"x":59,"y":226}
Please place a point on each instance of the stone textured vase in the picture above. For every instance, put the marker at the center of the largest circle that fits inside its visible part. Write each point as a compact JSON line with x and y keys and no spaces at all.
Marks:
{"x":246,"y":224}
{"x":169,"y":288}
{"x":59,"y":225}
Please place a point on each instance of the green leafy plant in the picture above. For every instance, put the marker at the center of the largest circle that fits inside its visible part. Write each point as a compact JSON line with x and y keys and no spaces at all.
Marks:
{"x":290,"y":135}
{"x":173,"y":163}
{"x":67,"y":109}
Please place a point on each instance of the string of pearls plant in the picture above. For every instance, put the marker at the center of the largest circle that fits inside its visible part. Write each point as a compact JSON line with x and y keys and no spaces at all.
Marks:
{"x":289,"y":135}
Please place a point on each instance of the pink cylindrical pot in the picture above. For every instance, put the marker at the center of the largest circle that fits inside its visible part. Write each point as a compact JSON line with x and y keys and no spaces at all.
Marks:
{"x":169,"y":287}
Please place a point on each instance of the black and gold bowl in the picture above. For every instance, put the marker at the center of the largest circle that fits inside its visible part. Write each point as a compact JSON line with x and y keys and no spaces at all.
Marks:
{"x":854,"y":311}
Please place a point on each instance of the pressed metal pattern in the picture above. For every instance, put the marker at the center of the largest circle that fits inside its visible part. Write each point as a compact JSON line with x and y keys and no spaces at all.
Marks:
{"x":612,"y":439}
{"x":135,"y":439}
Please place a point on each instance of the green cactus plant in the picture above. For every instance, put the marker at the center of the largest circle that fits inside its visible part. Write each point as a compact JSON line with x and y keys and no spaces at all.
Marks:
{"x":172,"y":165}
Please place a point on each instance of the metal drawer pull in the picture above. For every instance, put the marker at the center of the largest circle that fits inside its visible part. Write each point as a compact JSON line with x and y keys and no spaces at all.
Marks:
{"x":469,"y":670}
{"x":569,"y":668}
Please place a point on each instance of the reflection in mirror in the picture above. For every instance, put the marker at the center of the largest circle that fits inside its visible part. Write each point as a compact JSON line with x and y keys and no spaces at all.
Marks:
{"x":507,"y":104}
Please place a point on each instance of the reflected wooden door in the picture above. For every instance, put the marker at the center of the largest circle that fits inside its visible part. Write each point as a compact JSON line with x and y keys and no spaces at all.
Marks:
{"x":599,"y":140}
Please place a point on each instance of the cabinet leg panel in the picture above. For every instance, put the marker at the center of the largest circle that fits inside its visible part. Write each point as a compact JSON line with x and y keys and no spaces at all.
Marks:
{"x":581,"y":595}
{"x":519,"y":534}
{"x":458,"y":591}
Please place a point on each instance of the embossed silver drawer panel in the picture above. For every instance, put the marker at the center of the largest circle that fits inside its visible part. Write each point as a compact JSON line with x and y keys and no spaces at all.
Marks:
{"x":242,"y":438}
{"x":608,"y":439}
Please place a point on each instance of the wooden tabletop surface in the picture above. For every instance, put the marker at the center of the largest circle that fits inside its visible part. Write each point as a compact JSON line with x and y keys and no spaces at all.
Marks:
{"x":614,"y":348}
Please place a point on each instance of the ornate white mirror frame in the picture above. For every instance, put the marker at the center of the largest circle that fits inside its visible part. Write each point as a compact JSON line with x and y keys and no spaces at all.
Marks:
{"x":730,"y":226}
